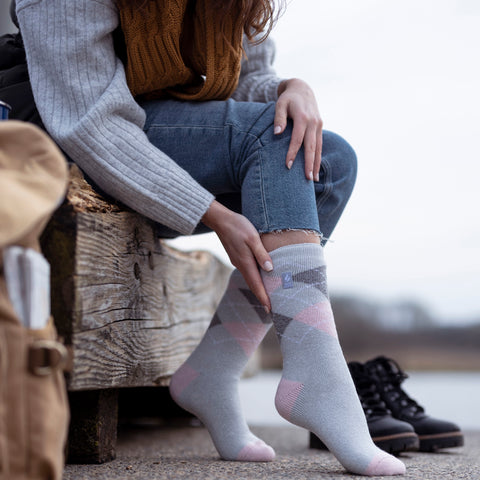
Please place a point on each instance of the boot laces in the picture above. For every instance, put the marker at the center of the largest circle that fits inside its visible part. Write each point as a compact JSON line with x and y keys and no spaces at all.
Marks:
{"x":392,"y":376}
{"x":372,"y":403}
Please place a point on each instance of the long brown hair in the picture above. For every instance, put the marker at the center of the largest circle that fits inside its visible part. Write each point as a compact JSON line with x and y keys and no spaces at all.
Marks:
{"x":259,"y":15}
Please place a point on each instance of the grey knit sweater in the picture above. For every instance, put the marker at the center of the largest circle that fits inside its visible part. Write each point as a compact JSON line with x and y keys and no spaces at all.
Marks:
{"x":82,"y":96}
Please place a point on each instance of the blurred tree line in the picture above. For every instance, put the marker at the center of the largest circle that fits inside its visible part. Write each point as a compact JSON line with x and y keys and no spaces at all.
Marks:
{"x":404,"y":331}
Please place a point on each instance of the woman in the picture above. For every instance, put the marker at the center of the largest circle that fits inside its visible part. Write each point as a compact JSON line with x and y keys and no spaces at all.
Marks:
{"x":190,"y":131}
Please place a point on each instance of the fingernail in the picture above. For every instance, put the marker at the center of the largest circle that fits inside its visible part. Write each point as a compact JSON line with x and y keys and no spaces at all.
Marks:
{"x":267,"y":310}
{"x":310,"y":175}
{"x":277,"y":129}
{"x":289,"y":164}
{"x":317,"y":177}
{"x":268,"y":266}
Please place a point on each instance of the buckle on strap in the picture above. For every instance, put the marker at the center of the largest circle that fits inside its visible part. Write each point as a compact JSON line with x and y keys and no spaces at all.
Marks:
{"x":45,"y":356}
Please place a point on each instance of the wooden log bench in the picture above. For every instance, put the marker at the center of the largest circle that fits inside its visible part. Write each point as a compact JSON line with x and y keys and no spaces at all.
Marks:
{"x":130,"y":307}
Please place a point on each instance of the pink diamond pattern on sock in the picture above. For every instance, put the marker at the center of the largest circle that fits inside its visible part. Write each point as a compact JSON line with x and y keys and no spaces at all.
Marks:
{"x":319,"y":316}
{"x":248,"y":335}
{"x":272,"y":283}
{"x":257,"y":451}
{"x":181,"y":379}
{"x":287,"y":394}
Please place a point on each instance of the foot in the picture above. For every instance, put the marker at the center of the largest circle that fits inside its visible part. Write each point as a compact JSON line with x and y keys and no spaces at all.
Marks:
{"x":214,"y":400}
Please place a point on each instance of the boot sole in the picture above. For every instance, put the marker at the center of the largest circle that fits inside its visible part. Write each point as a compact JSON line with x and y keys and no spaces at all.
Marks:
{"x":399,"y":442}
{"x":438,"y":441}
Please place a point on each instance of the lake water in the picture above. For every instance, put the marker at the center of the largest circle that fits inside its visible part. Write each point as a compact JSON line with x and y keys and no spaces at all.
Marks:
{"x":453,"y":396}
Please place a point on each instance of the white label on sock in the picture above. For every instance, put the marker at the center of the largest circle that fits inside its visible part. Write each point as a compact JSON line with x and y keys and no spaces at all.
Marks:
{"x":287,"y":280}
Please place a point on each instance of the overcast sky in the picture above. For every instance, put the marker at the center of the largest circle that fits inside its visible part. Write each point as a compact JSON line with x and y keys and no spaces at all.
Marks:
{"x":399,"y":80}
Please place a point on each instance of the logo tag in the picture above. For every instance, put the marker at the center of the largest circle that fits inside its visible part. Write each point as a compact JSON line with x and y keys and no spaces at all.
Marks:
{"x":287,"y":280}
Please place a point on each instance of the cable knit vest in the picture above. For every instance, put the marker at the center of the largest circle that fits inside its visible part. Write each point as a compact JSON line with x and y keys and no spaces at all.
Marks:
{"x":174,"y":49}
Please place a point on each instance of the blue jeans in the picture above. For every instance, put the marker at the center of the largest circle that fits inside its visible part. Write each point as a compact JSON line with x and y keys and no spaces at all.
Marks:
{"x":230,"y":149}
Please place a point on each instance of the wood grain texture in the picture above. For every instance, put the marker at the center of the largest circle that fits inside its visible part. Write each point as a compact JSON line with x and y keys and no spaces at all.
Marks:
{"x":131,"y":307}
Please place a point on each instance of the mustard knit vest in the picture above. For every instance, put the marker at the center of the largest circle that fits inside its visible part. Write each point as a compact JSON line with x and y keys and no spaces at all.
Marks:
{"x":175,"y":49}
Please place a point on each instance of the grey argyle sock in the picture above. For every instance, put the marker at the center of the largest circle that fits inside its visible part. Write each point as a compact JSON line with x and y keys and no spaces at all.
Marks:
{"x":316,"y":390}
{"x":207,"y":383}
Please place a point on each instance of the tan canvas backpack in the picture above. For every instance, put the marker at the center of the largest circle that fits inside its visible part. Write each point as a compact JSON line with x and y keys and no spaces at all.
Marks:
{"x":33,"y":404}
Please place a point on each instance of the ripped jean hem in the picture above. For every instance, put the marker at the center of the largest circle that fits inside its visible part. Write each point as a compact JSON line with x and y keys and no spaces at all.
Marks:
{"x":306,"y":231}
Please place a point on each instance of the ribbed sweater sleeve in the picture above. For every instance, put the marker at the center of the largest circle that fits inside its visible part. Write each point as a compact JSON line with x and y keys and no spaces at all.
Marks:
{"x":258,"y":81}
{"x":81,"y":93}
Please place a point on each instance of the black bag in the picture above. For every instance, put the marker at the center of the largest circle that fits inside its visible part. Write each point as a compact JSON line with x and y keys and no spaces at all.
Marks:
{"x":15,"y":86}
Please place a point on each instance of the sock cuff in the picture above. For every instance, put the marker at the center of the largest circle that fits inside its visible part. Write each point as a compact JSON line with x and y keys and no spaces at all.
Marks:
{"x":297,"y":257}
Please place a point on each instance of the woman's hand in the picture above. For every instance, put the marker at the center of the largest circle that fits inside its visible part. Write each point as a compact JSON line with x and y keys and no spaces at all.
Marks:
{"x":296,"y":100}
{"x":243,"y":245}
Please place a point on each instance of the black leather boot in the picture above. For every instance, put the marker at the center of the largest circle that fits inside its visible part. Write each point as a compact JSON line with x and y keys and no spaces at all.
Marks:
{"x":434,"y":434}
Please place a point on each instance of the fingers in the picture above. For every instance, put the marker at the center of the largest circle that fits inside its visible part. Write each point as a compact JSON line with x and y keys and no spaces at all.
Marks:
{"x":252,"y":276}
{"x":310,"y":148}
{"x":297,"y":101}
{"x":243,"y":245}
{"x":261,"y":255}
{"x":280,"y":120}
{"x":307,"y":131}
{"x":318,"y":151}
{"x":298,"y":133}
{"x":263,"y":259}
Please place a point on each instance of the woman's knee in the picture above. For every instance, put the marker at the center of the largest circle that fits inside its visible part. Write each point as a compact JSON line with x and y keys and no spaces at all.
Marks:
{"x":337,"y":179}
{"x":341,"y":161}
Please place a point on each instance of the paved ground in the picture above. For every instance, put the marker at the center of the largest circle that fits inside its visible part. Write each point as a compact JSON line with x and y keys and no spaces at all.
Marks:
{"x":155,"y":452}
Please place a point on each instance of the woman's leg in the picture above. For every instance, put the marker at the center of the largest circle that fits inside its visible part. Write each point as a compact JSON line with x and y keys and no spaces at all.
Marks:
{"x":316,"y":390}
{"x":207,"y":383}
{"x":197,"y":137}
